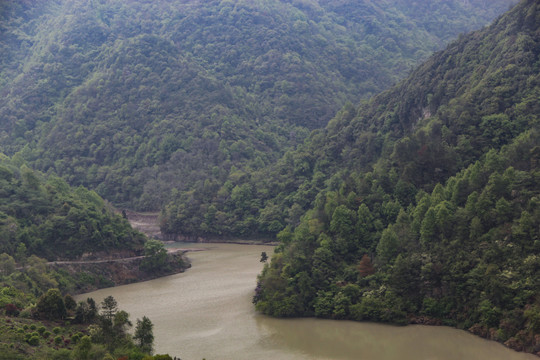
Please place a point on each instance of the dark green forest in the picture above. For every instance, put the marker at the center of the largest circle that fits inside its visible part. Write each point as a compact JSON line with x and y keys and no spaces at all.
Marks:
{"x":144,"y":101}
{"x":45,"y":219}
{"x":423,"y":202}
{"x":49,"y":219}
{"x":399,"y":179}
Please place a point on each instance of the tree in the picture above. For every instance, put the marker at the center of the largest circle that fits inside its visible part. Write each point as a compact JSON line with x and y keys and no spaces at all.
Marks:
{"x":86,"y":312}
{"x":11,"y":310}
{"x":144,"y":334}
{"x":51,"y":305}
{"x":20,"y":253}
{"x":343,"y":221}
{"x":109,"y":307}
{"x":121,"y":324}
{"x":70,"y":303}
{"x":114,"y":325}
{"x":155,"y":256}
{"x":365,"y":267}
{"x":388,"y":246}
{"x":163,"y":357}
{"x":7,"y":264}
{"x":428,"y":227}
{"x":82,"y":350}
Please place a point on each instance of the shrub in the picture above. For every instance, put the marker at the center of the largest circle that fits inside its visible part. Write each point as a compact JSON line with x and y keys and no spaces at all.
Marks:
{"x":75,"y":338}
{"x":62,"y":354}
{"x":33,"y":341}
{"x":58,"y":340}
{"x":162,"y":357}
{"x":11,"y":310}
{"x":28,"y":312}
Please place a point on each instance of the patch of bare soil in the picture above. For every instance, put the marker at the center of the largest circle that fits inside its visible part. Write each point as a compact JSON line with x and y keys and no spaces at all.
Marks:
{"x":147,"y":223}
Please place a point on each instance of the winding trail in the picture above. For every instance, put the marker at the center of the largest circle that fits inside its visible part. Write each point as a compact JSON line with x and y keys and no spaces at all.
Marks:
{"x":148,"y":224}
{"x":125,"y":259}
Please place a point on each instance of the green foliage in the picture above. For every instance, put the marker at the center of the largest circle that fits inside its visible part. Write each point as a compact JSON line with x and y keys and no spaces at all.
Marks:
{"x":70,"y":302}
{"x":34,"y":340}
{"x":109,"y":307}
{"x":162,"y":357}
{"x":144,"y":335}
{"x":437,"y":177}
{"x":51,"y":305}
{"x":48,"y":218}
{"x":86,"y":311}
{"x":122,"y":108}
{"x":106,"y":339}
{"x":155,"y":256}
{"x":58,"y":340}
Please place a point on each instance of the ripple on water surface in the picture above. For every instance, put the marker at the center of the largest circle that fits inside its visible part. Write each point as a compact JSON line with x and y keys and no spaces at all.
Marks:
{"x":206,"y":312}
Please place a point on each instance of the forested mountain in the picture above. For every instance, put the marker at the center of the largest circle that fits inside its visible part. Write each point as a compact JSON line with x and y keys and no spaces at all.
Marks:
{"x":424,"y":201}
{"x":144,"y":101}
{"x":51,"y":220}
{"x":421,"y":204}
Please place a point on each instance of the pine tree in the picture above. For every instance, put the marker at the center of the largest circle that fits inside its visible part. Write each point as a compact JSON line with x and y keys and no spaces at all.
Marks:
{"x":144,"y":334}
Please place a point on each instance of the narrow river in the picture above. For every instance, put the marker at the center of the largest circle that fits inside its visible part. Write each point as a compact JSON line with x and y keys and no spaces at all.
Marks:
{"x":206,"y":312}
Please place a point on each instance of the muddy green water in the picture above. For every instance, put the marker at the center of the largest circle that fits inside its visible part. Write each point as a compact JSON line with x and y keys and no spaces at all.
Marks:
{"x":206,"y":312}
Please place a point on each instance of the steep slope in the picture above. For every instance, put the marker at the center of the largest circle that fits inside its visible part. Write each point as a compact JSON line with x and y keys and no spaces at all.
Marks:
{"x":424,"y":201}
{"x":143,"y":100}
{"x":447,"y":94}
{"x":51,"y":220}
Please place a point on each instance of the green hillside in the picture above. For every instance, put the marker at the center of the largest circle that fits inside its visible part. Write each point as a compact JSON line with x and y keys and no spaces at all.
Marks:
{"x":45,"y":219}
{"x":448,"y":90}
{"x":49,"y":219}
{"x":145,"y":101}
{"x":423,"y":202}
{"x":420,"y":204}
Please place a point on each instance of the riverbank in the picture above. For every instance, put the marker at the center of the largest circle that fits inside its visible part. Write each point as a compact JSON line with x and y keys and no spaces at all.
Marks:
{"x":91,"y":275}
{"x":207,"y":312}
{"x":148,"y":224}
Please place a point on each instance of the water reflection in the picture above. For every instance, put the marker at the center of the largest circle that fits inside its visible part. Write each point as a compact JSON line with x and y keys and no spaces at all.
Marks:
{"x":207,"y":312}
{"x":344,"y":340}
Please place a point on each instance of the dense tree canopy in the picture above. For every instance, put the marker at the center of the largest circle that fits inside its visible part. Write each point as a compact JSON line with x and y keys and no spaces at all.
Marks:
{"x":423,"y":202}
{"x":144,"y":101}
{"x":50,"y":219}
{"x":419,"y":205}
{"x":453,"y":108}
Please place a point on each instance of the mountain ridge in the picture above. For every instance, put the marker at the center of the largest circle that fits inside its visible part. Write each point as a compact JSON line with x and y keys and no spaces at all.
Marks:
{"x":274,"y":69}
{"x":422,"y":203}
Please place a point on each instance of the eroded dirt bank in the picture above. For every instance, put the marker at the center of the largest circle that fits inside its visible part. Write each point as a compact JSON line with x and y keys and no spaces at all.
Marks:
{"x":106,"y":269}
{"x":98,"y":274}
{"x":147,"y":223}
